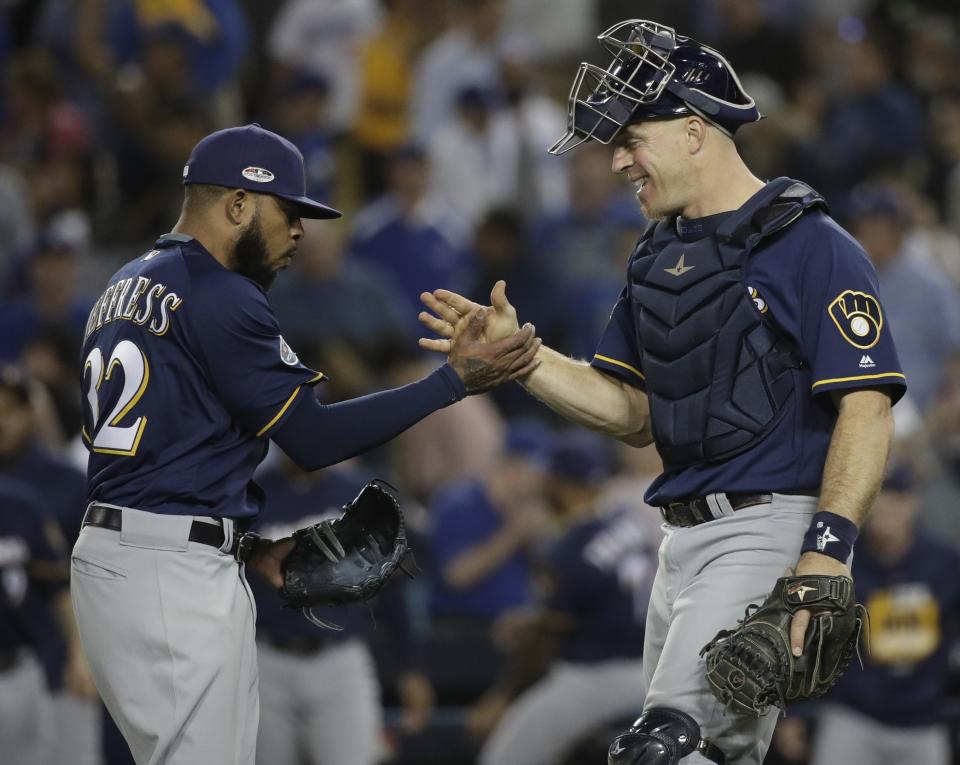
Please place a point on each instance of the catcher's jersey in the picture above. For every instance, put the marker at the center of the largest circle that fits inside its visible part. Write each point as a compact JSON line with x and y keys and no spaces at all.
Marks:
{"x":817,"y":286}
{"x":185,"y":376}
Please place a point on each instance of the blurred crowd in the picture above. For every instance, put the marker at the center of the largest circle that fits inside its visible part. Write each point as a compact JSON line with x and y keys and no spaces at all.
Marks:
{"x":427,"y":122}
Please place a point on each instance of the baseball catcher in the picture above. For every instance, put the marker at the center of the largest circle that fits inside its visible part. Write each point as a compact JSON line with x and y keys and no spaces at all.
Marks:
{"x":751,"y":666}
{"x":349,"y":559}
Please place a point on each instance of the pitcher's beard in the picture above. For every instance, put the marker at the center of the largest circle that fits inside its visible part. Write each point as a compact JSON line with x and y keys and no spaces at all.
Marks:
{"x":251,"y":257}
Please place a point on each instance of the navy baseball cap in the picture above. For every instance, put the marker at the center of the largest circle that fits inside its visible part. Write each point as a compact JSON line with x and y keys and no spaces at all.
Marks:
{"x":250,"y":157}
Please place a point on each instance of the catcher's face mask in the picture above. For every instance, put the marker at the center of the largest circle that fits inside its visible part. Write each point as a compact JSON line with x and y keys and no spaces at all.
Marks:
{"x":654,"y":74}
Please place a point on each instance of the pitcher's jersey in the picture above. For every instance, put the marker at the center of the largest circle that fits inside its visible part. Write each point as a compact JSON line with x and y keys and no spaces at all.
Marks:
{"x":185,"y":376}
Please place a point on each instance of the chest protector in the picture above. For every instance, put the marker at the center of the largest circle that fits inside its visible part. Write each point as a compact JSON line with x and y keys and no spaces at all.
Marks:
{"x":719,"y":375}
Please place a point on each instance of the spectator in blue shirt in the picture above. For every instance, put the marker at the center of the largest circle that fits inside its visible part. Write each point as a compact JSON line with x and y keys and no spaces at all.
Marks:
{"x":410,"y":236}
{"x":586,"y":248}
{"x":49,"y":299}
{"x":299,"y":111}
{"x":922,"y":305}
{"x":214,"y":34}
{"x":483,"y":531}
{"x":341,"y":312}
{"x":872,"y":123}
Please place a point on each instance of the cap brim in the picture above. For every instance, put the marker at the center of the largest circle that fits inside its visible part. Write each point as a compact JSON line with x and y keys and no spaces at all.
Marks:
{"x":310,"y":208}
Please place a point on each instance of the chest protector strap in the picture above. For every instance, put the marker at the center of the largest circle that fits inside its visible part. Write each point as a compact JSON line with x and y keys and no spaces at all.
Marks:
{"x":718,"y":373}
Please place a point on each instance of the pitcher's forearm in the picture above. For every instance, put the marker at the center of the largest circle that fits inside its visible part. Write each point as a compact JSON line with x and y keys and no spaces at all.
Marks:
{"x":588,"y":397}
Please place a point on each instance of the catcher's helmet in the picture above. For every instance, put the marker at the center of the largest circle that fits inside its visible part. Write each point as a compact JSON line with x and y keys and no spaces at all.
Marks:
{"x":655,"y":74}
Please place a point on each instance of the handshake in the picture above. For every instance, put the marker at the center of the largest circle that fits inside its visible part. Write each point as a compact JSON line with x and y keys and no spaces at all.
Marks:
{"x":484,"y":344}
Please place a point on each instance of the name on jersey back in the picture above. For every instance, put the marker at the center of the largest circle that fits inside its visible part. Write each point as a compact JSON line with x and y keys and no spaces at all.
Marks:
{"x":139,"y":300}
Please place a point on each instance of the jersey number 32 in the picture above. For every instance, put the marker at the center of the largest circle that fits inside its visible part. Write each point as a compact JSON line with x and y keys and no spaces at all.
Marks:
{"x":109,"y":436}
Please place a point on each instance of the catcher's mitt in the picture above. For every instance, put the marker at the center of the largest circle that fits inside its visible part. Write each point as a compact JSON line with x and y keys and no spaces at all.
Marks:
{"x":349,"y":559}
{"x":751,"y":666}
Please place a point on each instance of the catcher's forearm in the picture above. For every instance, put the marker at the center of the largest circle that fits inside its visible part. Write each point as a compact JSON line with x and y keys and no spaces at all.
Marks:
{"x":588,"y":397}
{"x":857,"y":456}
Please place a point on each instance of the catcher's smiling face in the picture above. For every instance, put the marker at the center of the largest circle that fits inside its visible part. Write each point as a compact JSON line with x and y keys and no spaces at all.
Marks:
{"x":654,"y":156}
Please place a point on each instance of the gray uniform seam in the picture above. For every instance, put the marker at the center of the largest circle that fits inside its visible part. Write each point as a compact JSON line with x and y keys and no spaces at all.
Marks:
{"x":167,"y":642}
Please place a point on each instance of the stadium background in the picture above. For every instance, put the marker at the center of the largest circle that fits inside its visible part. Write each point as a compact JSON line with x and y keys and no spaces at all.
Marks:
{"x":427,"y":122}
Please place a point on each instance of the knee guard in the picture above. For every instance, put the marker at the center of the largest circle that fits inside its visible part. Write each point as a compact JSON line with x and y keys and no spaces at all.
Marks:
{"x":661,"y":736}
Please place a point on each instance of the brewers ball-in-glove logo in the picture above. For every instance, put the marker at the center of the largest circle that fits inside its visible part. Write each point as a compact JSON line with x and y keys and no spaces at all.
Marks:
{"x":858,"y":317}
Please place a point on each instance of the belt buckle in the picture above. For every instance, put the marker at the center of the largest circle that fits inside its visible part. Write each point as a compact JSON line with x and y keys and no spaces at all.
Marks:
{"x":698,"y":516}
{"x":246,"y":544}
{"x":676,"y":512}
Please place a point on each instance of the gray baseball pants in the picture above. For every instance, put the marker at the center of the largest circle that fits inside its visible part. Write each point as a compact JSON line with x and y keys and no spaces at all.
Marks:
{"x":168,"y":628}
{"x":707,"y":576}
{"x":26,"y":714}
{"x":322,"y":709}
{"x":546,"y":721}
{"x":844,"y":735}
{"x":77,"y":725}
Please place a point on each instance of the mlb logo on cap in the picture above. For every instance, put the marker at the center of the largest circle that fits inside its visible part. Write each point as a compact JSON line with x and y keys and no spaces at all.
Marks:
{"x":249,"y":157}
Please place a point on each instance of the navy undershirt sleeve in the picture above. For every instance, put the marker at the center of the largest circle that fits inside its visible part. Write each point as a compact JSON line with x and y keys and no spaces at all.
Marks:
{"x":316,"y":435}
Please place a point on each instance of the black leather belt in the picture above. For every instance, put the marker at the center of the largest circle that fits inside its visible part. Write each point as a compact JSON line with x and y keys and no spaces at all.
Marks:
{"x":111,"y":518}
{"x":694,"y":511}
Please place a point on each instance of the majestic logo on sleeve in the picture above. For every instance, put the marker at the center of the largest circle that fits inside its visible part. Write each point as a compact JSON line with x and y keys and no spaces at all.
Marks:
{"x":680,"y":269}
{"x":287,"y":356}
{"x":858,"y":317}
